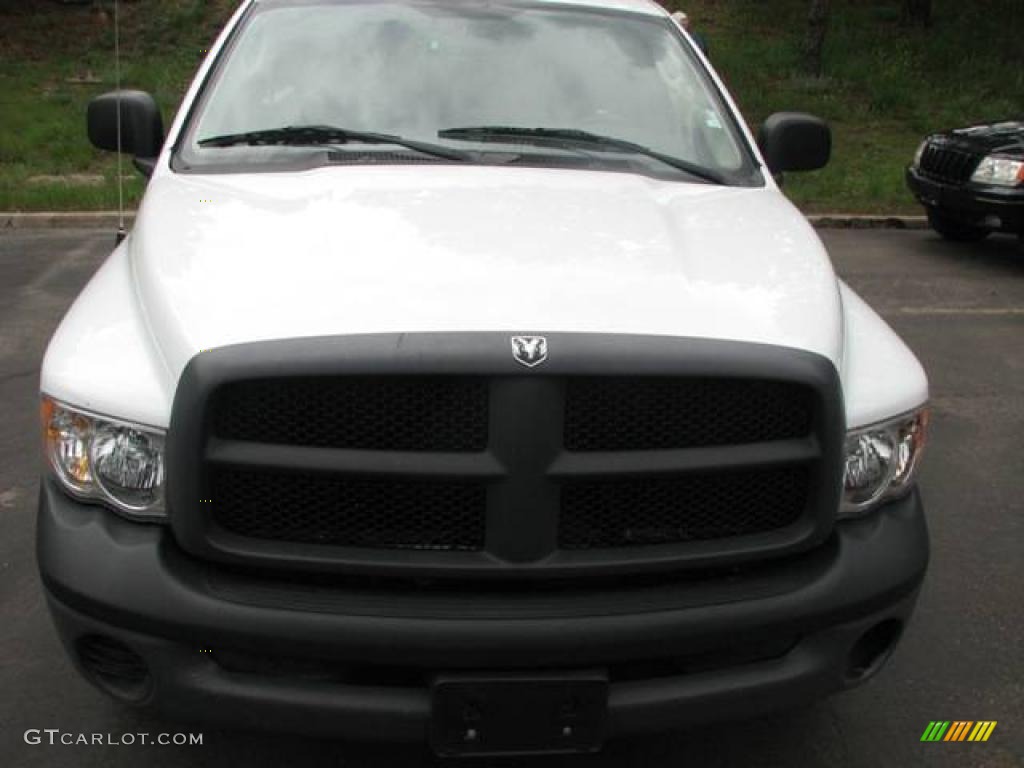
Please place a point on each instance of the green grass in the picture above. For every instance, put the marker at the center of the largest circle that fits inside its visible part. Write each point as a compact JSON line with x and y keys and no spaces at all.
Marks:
{"x":44,"y":48}
{"x":884,"y":87}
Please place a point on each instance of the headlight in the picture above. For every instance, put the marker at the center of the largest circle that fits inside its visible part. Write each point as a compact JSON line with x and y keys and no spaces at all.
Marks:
{"x":106,"y":461}
{"x":882,"y":461}
{"x":1000,"y":171}
{"x":920,"y":153}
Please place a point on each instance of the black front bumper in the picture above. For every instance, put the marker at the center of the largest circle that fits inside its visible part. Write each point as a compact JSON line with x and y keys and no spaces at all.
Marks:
{"x":108,"y":577}
{"x":995,"y":208}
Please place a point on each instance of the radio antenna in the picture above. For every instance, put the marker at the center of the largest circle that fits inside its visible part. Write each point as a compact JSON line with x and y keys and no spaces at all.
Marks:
{"x":121,"y":231}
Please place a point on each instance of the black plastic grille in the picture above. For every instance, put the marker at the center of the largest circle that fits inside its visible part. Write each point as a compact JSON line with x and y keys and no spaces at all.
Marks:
{"x":350,"y":511}
{"x":361,"y":413}
{"x":948,"y":164}
{"x":630,"y":414}
{"x":416,"y":458}
{"x":672,"y":510}
{"x":114,"y":665}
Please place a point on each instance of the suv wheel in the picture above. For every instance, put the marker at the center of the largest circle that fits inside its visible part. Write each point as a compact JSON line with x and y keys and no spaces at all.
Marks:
{"x":953,"y":229}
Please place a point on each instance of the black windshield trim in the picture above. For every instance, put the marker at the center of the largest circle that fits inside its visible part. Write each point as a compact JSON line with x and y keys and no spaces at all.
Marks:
{"x":314,"y":158}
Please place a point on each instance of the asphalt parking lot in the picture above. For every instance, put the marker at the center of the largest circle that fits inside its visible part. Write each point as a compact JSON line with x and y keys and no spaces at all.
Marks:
{"x":961,"y":308}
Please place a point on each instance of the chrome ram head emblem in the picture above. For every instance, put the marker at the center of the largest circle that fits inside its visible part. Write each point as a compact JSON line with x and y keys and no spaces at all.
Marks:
{"x":531,"y":351}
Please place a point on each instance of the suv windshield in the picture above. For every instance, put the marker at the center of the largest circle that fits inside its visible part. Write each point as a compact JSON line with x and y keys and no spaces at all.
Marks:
{"x":538,"y":83}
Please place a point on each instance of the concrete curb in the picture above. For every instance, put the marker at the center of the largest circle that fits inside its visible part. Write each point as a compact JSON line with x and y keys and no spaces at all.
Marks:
{"x":847,"y":221}
{"x":108,"y":220}
{"x":60,"y":220}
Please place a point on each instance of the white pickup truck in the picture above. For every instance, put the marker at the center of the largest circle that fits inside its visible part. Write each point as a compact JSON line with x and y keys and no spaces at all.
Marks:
{"x":467,"y":379}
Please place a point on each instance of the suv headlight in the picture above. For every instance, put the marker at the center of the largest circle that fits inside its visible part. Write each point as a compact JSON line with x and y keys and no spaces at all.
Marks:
{"x":110,"y":462}
{"x":1000,"y":171}
{"x":882,"y":461}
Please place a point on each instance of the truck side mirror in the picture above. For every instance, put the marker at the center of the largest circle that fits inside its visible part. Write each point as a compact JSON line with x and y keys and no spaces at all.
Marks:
{"x":142,"y":127}
{"x":793,"y":141}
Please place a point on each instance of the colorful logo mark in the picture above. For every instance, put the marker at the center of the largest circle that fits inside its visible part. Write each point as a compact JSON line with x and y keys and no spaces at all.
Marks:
{"x":958,"y":730}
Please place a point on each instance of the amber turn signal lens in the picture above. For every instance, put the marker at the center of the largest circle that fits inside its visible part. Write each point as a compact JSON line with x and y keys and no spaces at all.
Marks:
{"x":66,"y":436}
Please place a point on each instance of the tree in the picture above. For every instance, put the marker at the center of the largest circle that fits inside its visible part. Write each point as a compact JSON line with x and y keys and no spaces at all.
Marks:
{"x":813,"y":47}
{"x":917,"y":13}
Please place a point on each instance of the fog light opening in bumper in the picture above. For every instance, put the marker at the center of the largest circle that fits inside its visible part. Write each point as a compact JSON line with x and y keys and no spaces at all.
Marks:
{"x":114,"y":667}
{"x":872,"y":650}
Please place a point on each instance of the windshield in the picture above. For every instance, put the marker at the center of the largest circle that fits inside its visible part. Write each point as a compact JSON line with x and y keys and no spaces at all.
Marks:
{"x":418,"y":70}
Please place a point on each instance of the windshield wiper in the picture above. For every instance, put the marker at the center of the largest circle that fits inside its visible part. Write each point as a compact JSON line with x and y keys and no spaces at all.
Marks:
{"x":572,"y":136}
{"x":315,"y":135}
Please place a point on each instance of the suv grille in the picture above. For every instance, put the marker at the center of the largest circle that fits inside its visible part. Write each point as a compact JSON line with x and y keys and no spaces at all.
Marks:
{"x":949,"y":165}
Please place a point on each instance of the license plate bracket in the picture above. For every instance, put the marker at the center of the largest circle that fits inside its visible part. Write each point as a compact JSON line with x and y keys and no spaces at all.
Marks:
{"x":509,"y":714}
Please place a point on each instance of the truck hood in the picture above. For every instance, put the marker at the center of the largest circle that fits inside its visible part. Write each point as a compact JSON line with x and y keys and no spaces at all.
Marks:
{"x":224,"y":259}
